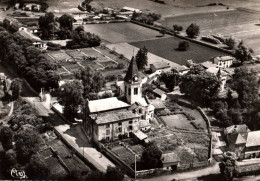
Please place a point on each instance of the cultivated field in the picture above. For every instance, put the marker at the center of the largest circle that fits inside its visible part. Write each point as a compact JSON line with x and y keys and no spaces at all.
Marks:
{"x":122,"y":32}
{"x":177,"y":121}
{"x":166,"y":48}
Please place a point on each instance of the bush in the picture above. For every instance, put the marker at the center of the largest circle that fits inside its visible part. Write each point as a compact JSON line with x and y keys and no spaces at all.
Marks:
{"x":183,"y":45}
{"x":111,"y":78}
{"x":193,"y":30}
{"x":230,"y":42}
{"x":120,"y":66}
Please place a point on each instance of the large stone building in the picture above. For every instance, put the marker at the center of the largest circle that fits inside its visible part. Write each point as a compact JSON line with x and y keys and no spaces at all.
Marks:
{"x":111,"y":118}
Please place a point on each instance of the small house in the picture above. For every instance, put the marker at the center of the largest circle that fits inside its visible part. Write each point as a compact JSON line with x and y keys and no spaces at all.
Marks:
{"x":159,"y":66}
{"x":170,"y":161}
{"x":223,"y":61}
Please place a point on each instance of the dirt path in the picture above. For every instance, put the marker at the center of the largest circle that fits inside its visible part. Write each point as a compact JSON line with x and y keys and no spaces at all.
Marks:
{"x":214,"y":169}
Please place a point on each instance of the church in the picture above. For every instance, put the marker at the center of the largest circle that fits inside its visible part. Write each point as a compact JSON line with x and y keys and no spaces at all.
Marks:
{"x":111,"y":118}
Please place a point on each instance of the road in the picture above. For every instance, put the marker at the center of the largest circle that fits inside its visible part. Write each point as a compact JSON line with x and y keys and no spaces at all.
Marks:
{"x":187,"y":175}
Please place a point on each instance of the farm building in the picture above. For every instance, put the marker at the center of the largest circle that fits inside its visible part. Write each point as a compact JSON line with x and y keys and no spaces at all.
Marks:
{"x":159,"y":66}
{"x":160,"y":93}
{"x":223,"y":61}
{"x":111,"y":118}
{"x":170,"y":161}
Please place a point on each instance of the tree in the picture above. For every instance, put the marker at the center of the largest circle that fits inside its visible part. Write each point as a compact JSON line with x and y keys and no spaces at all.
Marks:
{"x":235,"y":116}
{"x":243,"y":53}
{"x":16,"y":88}
{"x":177,"y":28}
{"x":230,"y":42}
{"x":114,"y":174}
{"x":92,"y":81}
{"x":227,"y":166}
{"x":44,"y":5}
{"x":37,"y":168}
{"x":163,"y":31}
{"x":95,"y":175}
{"x":183,"y":45}
{"x":66,"y":22}
{"x":10,"y":158}
{"x":193,"y":30}
{"x":141,"y":58}
{"x":26,"y":144}
{"x":6,"y":137}
{"x":200,"y":85}
{"x":47,"y":25}
{"x":151,"y":156}
{"x":170,"y":78}
{"x":70,"y":96}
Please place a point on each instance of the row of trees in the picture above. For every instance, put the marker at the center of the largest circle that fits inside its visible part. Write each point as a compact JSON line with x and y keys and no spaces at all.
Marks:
{"x":27,"y":60}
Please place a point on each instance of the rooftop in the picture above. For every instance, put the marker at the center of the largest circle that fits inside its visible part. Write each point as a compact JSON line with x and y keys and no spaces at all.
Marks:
{"x":208,"y":64}
{"x":160,"y":65}
{"x":157,"y":103}
{"x":106,"y":105}
{"x":158,"y":91}
{"x":170,"y":158}
{"x":253,"y":139}
{"x":242,"y":128}
{"x":132,"y":74}
{"x":140,"y":135}
{"x":28,"y":35}
{"x":114,"y":116}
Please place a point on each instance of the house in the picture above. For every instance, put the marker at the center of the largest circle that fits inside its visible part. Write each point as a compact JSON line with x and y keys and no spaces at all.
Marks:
{"x":160,"y":93}
{"x":125,"y":9}
{"x":242,"y":141}
{"x":37,"y":42}
{"x":223,"y":61}
{"x":78,"y":20}
{"x":159,"y":66}
{"x":252,"y":149}
{"x":170,"y":161}
{"x":112,"y":118}
{"x":221,"y":74}
{"x":158,"y":104}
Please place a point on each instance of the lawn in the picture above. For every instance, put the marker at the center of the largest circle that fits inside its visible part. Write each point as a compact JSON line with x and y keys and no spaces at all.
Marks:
{"x":166,"y":48}
{"x":122,"y":32}
{"x":178,"y":121}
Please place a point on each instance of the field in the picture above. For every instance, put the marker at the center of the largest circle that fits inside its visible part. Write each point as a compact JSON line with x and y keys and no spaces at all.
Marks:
{"x":166,"y":48}
{"x":122,"y":32}
{"x":240,"y":24}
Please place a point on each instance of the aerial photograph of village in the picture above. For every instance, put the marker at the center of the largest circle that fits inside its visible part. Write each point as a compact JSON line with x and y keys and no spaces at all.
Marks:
{"x":125,"y":90}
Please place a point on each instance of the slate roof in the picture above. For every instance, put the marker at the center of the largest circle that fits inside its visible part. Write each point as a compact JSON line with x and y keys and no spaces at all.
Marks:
{"x":107,"y":104}
{"x":253,"y":139}
{"x":115,"y":116}
{"x":157,"y":103}
{"x":208,"y":64}
{"x":159,"y":92}
{"x":237,"y":129}
{"x":170,"y":158}
{"x":140,"y":135}
{"x":132,"y":71}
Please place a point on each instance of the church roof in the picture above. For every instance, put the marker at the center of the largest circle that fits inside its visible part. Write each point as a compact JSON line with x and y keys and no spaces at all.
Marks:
{"x":132,"y":71}
{"x":107,"y":104}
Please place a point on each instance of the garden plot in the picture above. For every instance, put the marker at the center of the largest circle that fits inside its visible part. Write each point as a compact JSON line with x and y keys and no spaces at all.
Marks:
{"x":71,"y":66}
{"x":124,"y":154}
{"x":75,"y":54}
{"x":60,"y":56}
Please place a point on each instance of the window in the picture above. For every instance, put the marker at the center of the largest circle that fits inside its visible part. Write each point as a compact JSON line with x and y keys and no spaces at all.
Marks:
{"x":130,"y":128}
{"x":142,"y":117}
{"x":119,"y":124}
{"x":107,"y":126}
{"x":120,"y":130}
{"x":135,"y":91}
{"x":129,"y":91}
{"x":130,"y":122}
{"x":125,"y":90}
{"x":107,"y":132}
{"x":140,"y":111}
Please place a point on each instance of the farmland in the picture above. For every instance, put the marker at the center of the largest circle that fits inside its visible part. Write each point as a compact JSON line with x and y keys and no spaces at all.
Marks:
{"x":166,"y":48}
{"x":122,"y":32}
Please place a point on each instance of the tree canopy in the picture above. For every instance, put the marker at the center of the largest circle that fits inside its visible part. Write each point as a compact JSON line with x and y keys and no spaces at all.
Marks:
{"x":66,"y":26}
{"x":170,"y":78}
{"x":193,"y":30}
{"x":92,"y":81}
{"x":16,"y":88}
{"x":200,"y":85}
{"x":6,"y":137}
{"x":47,"y":25}
{"x":151,"y":157}
{"x":71,"y":97}
{"x":141,"y":58}
{"x":243,"y":53}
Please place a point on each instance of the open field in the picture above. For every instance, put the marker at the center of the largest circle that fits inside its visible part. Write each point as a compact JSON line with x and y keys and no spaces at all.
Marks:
{"x":122,"y":32}
{"x":166,"y":48}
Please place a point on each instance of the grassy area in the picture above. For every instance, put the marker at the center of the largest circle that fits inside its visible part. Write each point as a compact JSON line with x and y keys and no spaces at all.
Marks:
{"x":177,"y":121}
{"x":211,"y":20}
{"x":167,"y":48}
{"x":122,"y":32}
